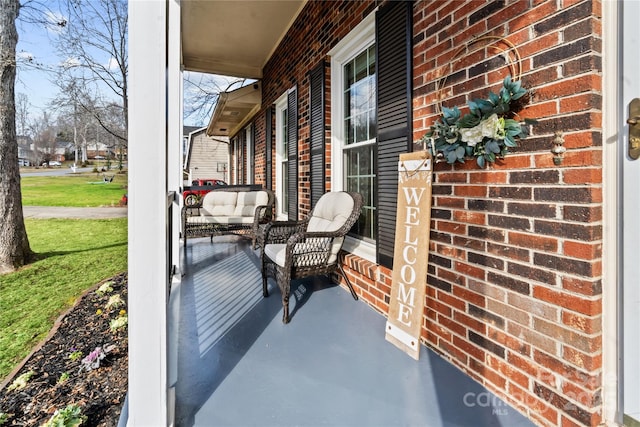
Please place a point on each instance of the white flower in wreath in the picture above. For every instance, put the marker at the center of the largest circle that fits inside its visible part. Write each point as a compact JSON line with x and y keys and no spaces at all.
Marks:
{"x":472,"y":135}
{"x":493,"y":127}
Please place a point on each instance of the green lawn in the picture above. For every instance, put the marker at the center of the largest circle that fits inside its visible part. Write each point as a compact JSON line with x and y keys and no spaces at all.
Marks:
{"x":73,"y":255}
{"x":81,"y":190}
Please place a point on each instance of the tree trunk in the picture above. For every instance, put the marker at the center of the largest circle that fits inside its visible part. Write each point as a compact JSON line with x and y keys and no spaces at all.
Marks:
{"x":14,"y":244}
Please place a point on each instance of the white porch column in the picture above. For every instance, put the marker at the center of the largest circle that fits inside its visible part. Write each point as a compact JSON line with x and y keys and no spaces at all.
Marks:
{"x":147,"y":213}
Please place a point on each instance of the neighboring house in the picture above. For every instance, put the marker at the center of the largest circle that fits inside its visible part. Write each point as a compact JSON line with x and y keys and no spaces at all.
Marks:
{"x":207,"y":156}
{"x":532,"y":281}
{"x":186,"y":130}
{"x":26,"y":153}
{"x":99,"y":150}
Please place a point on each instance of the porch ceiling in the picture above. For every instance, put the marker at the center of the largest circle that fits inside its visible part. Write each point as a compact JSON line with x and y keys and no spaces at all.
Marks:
{"x":234,"y":38}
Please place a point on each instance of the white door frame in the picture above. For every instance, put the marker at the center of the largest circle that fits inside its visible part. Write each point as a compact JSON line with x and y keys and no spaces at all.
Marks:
{"x":610,"y":250}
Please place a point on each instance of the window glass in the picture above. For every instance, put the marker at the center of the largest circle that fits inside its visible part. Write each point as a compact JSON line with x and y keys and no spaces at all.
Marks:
{"x":360,"y":127}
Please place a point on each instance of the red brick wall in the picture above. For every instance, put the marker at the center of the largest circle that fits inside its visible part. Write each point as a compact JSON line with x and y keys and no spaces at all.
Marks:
{"x":514,"y":283}
{"x":514,"y":279}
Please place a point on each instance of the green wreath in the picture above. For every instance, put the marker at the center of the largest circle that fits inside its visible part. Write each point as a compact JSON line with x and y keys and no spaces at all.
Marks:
{"x":486,"y":132}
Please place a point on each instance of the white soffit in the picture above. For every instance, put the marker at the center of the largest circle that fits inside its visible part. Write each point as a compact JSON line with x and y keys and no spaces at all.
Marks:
{"x":234,"y":38}
{"x":234,"y":109}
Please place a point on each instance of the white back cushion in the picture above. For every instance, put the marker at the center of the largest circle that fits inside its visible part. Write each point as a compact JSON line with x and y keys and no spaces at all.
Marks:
{"x":221,"y":203}
{"x":248,"y":201}
{"x":331,"y":212}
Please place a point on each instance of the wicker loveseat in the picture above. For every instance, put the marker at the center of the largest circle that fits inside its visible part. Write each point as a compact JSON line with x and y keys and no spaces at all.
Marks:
{"x":228,"y":211}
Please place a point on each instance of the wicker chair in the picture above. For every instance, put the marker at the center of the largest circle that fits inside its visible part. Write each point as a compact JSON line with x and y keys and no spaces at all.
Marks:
{"x":298,"y":249}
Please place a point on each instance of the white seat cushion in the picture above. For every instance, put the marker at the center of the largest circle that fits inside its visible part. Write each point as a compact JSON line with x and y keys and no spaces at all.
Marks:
{"x":277,"y":253}
{"x":220,"y":219}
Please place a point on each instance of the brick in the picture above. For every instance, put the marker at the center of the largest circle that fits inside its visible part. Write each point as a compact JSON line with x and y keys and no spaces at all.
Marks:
{"x":453,"y":326}
{"x":538,"y":308}
{"x":533,"y":338}
{"x":510,"y":342}
{"x":533,"y":241}
{"x":588,"y":325}
{"x":566,"y":336}
{"x":567,"y":51}
{"x":486,"y":233}
{"x":487,"y":261}
{"x":451,"y":300}
{"x":573,"y":266}
{"x":487,"y":344}
{"x":470,"y":191}
{"x":565,"y":17}
{"x":589,"y":307}
{"x":580,"y":102}
{"x":470,"y":322}
{"x":470,"y":244}
{"x":538,"y":210}
{"x":582,"y":213}
{"x":535,"y":177}
{"x":588,"y":287}
{"x":508,"y":371}
{"x":473,"y":298}
{"x":468,"y":348}
{"x":574,"y":411}
{"x":509,"y":312}
{"x":568,"y":87}
{"x":510,"y":252}
{"x":485,"y":205}
{"x":487,"y":290}
{"x":509,"y":283}
{"x":532,"y":16}
{"x":576,"y":231}
{"x":469,"y":217}
{"x":586,"y":251}
{"x":509,"y":222}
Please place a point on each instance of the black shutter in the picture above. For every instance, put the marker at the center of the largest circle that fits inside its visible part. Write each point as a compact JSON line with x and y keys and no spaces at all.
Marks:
{"x":241,"y":157}
{"x":252,"y":160}
{"x":316,"y":132}
{"x":393,"y":70}
{"x":268,"y":147}
{"x":292,"y":155}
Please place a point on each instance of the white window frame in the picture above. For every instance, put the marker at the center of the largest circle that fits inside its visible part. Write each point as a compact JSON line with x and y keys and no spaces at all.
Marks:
{"x":359,"y":39}
{"x":281,"y":104}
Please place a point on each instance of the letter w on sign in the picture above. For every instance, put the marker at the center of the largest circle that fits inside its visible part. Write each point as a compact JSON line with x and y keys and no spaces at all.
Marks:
{"x":411,"y":253}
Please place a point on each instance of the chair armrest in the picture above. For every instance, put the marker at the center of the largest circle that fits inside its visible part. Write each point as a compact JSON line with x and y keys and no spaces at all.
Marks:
{"x":310,"y":248}
{"x":280,"y":231}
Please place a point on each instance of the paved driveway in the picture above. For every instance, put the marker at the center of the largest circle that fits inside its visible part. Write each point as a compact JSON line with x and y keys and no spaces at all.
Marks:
{"x":74,"y":213}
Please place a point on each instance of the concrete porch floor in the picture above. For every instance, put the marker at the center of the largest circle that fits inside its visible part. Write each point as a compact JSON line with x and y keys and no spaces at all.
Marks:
{"x":236,"y":364}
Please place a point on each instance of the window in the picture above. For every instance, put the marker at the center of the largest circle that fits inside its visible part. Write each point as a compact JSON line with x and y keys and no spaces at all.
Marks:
{"x":282,"y":164}
{"x":354,"y":129}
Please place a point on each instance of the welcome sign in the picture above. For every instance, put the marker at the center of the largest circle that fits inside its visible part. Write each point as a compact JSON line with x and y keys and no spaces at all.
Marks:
{"x":411,"y":252}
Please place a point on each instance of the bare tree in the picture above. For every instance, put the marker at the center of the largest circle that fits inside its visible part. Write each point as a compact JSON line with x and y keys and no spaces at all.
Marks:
{"x":14,"y":243}
{"x":22,"y":114}
{"x":94,"y":45}
{"x":201,"y":92}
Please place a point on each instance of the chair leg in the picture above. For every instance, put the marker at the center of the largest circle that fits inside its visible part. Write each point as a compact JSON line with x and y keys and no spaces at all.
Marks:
{"x":285,"y":308}
{"x":353,"y":292}
{"x":265,"y":291}
{"x":284,"y":283}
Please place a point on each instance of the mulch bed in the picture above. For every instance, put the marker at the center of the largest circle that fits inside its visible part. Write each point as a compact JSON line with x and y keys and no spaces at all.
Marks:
{"x":99,"y":392}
